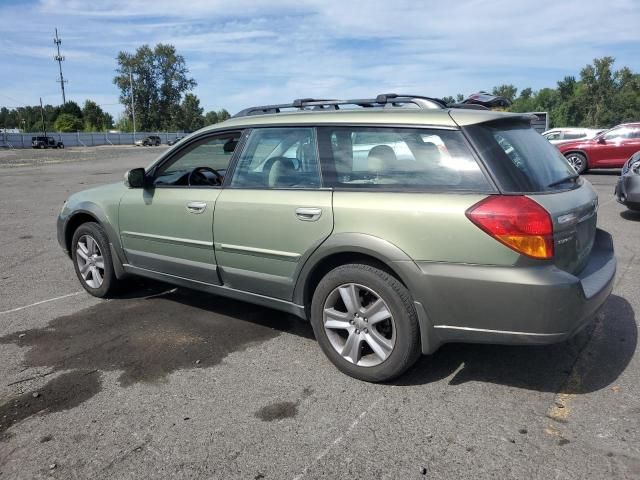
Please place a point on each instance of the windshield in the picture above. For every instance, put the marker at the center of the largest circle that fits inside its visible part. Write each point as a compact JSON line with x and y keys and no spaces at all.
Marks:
{"x":522,"y":160}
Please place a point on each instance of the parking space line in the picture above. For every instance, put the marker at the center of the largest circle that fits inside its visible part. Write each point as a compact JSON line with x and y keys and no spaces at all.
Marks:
{"x":17,"y":309}
{"x":337,"y":440}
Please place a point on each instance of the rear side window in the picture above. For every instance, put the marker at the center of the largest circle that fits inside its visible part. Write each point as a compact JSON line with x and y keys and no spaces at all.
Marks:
{"x":398,"y":159}
{"x":574,"y":135}
{"x":521,"y":160}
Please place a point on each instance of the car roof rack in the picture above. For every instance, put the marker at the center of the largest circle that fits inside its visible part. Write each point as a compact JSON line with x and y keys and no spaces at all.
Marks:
{"x":314,"y":104}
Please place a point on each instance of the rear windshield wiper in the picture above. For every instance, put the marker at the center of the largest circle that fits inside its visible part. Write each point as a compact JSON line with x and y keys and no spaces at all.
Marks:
{"x":568,"y":178}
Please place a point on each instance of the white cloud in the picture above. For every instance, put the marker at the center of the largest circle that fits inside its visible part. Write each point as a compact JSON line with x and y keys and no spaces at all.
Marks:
{"x":261,"y":51}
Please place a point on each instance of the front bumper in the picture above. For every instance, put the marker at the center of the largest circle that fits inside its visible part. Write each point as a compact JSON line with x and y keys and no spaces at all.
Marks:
{"x":511,"y":305}
{"x":627,"y":190}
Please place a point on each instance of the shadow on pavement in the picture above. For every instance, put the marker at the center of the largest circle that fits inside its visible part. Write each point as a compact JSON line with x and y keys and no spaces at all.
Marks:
{"x":605,"y":172}
{"x":630,"y":215}
{"x":144,"y":335}
{"x":594,"y":358}
{"x":150,"y":333}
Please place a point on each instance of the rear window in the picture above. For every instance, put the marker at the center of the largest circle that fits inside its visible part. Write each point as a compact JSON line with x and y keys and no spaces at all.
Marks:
{"x":398,"y":159}
{"x":522,"y":160}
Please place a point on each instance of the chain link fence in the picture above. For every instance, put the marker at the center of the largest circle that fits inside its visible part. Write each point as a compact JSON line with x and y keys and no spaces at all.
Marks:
{"x":83,"y":139}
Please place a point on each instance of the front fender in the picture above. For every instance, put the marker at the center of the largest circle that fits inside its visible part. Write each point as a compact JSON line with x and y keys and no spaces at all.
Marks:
{"x":103,"y":212}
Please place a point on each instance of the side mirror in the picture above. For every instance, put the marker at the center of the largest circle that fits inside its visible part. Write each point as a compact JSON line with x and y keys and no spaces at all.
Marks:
{"x":135,"y":178}
{"x":601,"y":140}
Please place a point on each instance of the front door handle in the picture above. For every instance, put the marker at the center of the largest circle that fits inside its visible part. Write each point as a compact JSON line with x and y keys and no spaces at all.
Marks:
{"x":308,"y":214}
{"x":196,"y":207}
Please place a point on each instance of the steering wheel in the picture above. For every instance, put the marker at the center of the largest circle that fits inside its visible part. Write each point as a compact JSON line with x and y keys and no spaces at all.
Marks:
{"x":196,"y":177}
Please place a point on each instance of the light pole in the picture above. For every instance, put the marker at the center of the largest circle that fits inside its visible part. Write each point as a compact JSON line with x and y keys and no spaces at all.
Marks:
{"x":133,"y":108}
{"x":60,"y":58}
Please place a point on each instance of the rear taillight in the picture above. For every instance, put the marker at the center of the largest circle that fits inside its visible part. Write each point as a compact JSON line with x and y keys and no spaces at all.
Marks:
{"x":517,"y":221}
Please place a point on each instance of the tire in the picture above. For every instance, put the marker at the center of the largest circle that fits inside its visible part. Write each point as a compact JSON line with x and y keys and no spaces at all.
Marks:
{"x":397,"y":337}
{"x":109,"y":283}
{"x":578,"y":161}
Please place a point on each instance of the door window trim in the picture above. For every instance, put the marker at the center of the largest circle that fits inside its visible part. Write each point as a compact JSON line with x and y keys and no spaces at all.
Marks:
{"x":169,"y":156}
{"x":246,"y":133}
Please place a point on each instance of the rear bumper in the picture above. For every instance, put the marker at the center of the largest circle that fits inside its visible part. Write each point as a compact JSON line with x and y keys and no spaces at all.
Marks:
{"x":627,"y":190}
{"x":511,"y":305}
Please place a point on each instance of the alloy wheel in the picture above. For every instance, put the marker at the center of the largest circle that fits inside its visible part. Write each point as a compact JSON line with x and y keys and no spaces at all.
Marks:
{"x":359,"y":325}
{"x":90,"y":261}
{"x":577,"y":162}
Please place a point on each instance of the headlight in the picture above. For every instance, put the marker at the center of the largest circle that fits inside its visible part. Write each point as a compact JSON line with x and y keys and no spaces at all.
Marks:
{"x":635,"y":167}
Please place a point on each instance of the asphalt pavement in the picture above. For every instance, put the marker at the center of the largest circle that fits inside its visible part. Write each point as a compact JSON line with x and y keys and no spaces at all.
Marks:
{"x":165,"y":382}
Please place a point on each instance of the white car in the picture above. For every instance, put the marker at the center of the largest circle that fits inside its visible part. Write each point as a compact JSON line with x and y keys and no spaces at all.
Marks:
{"x":561,"y":135}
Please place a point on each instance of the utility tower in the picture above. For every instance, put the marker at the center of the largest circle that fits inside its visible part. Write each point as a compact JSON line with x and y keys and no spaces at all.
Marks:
{"x":60,"y":58}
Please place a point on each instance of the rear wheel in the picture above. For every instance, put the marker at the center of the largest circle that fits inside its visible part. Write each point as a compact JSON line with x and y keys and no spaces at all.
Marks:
{"x":92,"y":260}
{"x":365,"y":322}
{"x":578,"y":161}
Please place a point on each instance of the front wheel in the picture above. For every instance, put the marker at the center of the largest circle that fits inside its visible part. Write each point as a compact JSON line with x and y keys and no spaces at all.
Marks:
{"x":365,"y":322}
{"x":92,"y":260}
{"x":578,"y":161}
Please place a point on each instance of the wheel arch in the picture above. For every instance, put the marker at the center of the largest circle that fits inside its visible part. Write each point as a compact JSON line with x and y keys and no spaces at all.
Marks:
{"x":72,"y":224}
{"x":91,"y":212}
{"x":343,"y":248}
{"x":346,"y":248}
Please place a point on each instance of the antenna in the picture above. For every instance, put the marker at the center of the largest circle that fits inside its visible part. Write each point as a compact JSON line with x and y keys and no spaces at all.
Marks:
{"x":60,"y":58}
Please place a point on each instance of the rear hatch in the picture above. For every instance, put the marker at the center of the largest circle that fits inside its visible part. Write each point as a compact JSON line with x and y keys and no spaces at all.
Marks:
{"x":522,"y":162}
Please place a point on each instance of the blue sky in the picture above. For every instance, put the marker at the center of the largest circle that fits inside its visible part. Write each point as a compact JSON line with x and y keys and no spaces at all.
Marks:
{"x":244,"y":52}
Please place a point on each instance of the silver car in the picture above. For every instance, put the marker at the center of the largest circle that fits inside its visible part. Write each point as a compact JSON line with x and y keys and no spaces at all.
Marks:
{"x":561,"y":135}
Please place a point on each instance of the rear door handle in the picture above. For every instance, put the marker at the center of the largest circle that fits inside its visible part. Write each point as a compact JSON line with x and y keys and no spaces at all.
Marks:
{"x":196,"y":207}
{"x":308,"y":214}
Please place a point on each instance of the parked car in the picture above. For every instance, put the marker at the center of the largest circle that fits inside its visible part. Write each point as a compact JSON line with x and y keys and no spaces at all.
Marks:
{"x":560,"y":135}
{"x":610,"y":149}
{"x":457,"y":226}
{"x":45,"y":142}
{"x":150,"y":141}
{"x":627,"y":189}
{"x":175,"y":140}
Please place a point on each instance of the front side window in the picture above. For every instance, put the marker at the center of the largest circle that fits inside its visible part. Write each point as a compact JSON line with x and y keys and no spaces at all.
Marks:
{"x":278,"y":158}
{"x":201,"y":163}
{"x":634,"y":133}
{"x":617,"y":134}
{"x":398,"y":158}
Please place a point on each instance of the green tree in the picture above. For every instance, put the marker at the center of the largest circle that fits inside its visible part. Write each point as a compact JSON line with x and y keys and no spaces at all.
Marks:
{"x":72,"y":108}
{"x":211,"y":117}
{"x":599,"y":86}
{"x":159,"y":77}
{"x":67,"y":123}
{"x":124,"y":124}
{"x":191,"y":113}
{"x":506,"y":91}
{"x":95,"y":119}
{"x":223,"y":115}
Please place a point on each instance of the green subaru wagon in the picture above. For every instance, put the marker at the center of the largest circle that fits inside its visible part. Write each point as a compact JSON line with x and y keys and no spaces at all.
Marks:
{"x":393,"y":224}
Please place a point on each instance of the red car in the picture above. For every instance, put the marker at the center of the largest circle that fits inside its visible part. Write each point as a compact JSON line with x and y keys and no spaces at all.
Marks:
{"x":610,"y":149}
